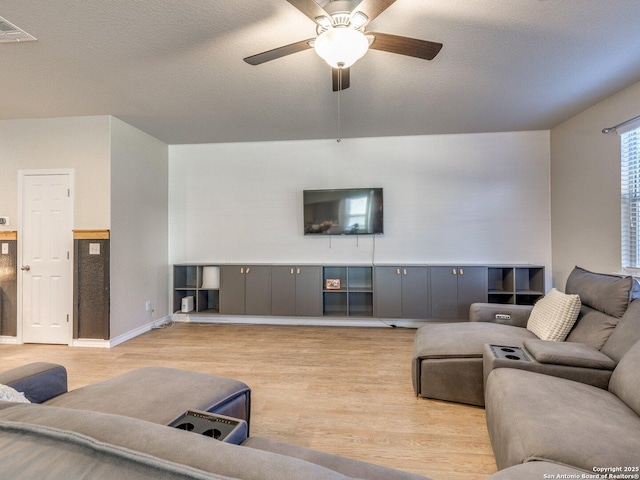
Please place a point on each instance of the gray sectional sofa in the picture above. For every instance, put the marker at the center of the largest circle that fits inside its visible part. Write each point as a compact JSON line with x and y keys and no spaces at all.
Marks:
{"x":451,"y":360}
{"x":537,"y":417}
{"x":117,"y":429}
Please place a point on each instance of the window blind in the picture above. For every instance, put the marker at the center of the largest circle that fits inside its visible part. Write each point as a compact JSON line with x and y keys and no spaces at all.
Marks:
{"x":630,"y":175}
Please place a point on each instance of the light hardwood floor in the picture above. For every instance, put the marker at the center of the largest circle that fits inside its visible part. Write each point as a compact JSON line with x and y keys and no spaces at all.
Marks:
{"x":341,"y":390}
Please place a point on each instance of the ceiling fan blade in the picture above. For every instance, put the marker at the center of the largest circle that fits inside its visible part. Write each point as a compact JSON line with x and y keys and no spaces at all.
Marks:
{"x":372,"y":8}
{"x":279,"y":52}
{"x":310,"y":8}
{"x":340,"y":77}
{"x":405,"y":45}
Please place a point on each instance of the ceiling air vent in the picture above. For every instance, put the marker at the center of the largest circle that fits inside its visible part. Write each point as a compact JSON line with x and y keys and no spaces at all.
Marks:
{"x":10,"y":33}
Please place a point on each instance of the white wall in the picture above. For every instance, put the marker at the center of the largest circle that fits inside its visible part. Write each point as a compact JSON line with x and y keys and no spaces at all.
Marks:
{"x":139,"y":228}
{"x":81,"y":143}
{"x":480,"y":198}
{"x":585,"y":187}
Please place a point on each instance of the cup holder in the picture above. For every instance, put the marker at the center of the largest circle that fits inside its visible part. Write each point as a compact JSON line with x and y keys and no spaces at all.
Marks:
{"x":212,"y":432}
{"x":509,"y":353}
{"x":186,"y":426}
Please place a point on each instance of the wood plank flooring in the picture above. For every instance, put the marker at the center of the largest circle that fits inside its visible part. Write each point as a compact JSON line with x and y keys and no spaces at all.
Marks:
{"x":341,"y":390}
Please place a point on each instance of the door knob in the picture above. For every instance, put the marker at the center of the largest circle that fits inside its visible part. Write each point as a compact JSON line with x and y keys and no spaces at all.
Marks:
{"x":25,"y":267}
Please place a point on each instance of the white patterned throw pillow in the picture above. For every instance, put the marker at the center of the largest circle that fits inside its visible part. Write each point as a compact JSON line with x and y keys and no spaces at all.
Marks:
{"x":8,"y":394}
{"x":554,"y":315}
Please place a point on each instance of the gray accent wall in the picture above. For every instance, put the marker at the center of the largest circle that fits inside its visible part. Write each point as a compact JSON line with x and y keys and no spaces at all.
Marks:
{"x":585,"y":187}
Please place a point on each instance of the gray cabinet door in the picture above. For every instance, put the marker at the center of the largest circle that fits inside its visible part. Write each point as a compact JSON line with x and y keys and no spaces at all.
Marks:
{"x":257,"y":300}
{"x":454,"y":289}
{"x":283,"y":290}
{"x":388,"y":292}
{"x":444,"y":292}
{"x":472,"y":288}
{"x":232,"y":289}
{"x":308,"y":296}
{"x":415,"y":292}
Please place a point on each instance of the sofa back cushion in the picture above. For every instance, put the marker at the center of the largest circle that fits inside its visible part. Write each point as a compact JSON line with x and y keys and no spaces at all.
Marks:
{"x":592,"y":327}
{"x":625,"y":380}
{"x":608,"y":294}
{"x":626,"y":334}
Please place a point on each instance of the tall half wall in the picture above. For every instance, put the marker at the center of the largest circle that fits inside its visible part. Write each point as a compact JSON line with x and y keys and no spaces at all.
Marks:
{"x":478,"y":198}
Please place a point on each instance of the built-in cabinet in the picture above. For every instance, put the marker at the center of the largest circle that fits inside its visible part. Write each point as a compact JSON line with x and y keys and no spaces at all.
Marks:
{"x":455,"y":288}
{"x":520,"y":285}
{"x":402,"y":292}
{"x":347,"y":291}
{"x":296,"y":290}
{"x":382,"y":291}
{"x":245,"y":290}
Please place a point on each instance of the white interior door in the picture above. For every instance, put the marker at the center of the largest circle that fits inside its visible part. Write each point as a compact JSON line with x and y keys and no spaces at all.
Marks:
{"x":47,"y":243}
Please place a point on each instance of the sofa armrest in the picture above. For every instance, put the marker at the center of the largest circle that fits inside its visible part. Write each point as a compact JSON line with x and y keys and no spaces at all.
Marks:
{"x":570,"y":354}
{"x":515,"y":315}
{"x":38,"y":381}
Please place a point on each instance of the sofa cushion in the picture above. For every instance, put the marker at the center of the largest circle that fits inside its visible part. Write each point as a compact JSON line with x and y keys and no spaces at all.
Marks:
{"x":174,"y":392}
{"x":531,"y":416}
{"x":166,"y":444}
{"x":568,"y":353}
{"x":553,"y":315}
{"x":625,"y":381}
{"x":8,"y":394}
{"x":592,"y":327}
{"x":609,"y":294}
{"x":626,"y":333}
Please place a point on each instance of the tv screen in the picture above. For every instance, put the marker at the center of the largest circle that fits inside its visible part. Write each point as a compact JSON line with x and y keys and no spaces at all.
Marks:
{"x":355,"y":211}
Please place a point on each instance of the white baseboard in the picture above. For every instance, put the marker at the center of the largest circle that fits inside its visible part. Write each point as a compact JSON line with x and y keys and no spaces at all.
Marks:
{"x":98,"y":343}
{"x":5,"y":340}
{"x":298,"y":321}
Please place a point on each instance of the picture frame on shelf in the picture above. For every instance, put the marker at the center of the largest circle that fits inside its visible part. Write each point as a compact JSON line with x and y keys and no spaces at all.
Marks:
{"x":333,"y":284}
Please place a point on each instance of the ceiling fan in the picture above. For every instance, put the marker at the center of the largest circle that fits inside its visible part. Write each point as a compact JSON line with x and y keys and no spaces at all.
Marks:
{"x":342,"y":37}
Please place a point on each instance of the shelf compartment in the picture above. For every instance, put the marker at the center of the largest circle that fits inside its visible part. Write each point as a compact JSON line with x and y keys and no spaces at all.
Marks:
{"x":185,"y":276}
{"x":530,"y":280}
{"x":361,"y":304}
{"x":335,"y":273}
{"x":208,"y":301}
{"x":501,"y":297}
{"x":501,"y":279}
{"x":178,"y":295}
{"x":335,"y":303}
{"x":360,"y":279}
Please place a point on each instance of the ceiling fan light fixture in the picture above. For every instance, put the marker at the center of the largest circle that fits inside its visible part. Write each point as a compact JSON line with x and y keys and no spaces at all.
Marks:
{"x":341,"y":47}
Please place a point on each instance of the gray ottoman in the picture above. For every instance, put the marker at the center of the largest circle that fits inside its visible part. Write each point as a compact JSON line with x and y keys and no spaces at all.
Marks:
{"x":447,"y":358}
{"x":160,"y":395}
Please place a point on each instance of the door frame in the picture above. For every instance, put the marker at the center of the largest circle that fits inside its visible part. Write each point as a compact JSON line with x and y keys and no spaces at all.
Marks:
{"x":72,"y":185}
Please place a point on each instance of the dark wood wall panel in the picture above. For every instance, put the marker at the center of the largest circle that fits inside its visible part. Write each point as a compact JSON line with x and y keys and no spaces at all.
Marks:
{"x":91,"y":287}
{"x":9,"y":287}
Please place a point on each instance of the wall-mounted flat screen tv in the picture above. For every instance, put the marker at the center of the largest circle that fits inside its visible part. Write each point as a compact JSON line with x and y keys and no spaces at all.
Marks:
{"x":353,"y":211}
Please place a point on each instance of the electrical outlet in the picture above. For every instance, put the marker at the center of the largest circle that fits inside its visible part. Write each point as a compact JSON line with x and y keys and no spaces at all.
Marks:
{"x":148,"y":305}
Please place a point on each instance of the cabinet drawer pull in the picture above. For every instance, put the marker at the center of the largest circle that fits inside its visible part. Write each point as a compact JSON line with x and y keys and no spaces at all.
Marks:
{"x":454,"y":272}
{"x":404,"y":271}
{"x":298,"y":271}
{"x":291,"y":271}
{"x":248,"y":270}
{"x":397,"y":271}
{"x":461,"y":272}
{"x":242,"y":270}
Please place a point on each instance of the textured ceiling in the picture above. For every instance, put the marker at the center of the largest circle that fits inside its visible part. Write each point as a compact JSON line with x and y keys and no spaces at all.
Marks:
{"x":174,"y":69}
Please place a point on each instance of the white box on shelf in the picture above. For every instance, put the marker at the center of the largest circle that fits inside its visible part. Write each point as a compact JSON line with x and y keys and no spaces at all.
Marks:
{"x":187,"y":304}
{"x":211,"y":277}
